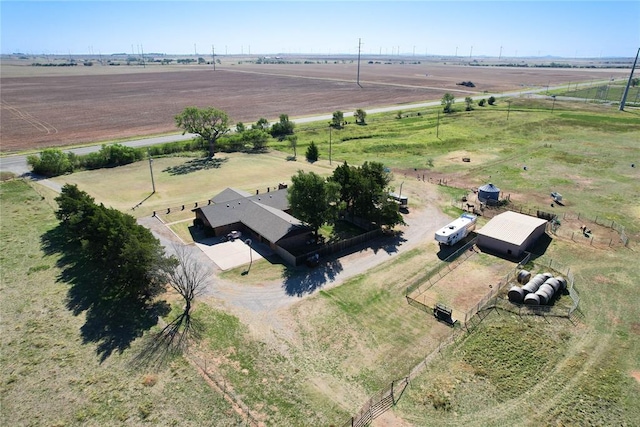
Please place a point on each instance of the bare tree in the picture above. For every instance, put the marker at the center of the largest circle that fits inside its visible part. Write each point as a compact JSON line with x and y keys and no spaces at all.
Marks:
{"x":187,"y":277}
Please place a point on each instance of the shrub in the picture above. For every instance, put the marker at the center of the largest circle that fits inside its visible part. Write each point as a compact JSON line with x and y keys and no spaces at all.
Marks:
{"x":50,"y":162}
{"x":312,"y":153}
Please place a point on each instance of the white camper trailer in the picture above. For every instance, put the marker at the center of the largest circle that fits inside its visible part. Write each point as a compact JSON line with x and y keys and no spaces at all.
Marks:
{"x":457,"y":230}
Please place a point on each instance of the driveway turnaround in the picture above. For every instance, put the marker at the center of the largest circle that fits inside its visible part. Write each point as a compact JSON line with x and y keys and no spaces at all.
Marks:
{"x":227,"y":255}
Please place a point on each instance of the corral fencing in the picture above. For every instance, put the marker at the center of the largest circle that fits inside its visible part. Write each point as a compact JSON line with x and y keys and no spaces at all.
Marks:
{"x":221,"y":384}
{"x":442,"y":269}
{"x":599,"y":220}
{"x":496,"y":298}
{"x":378,"y":404}
{"x":491,"y":211}
{"x":385,"y":399}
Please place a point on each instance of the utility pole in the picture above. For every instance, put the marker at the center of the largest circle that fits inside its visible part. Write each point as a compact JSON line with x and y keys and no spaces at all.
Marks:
{"x":438,"y":126}
{"x":626,"y":89}
{"x":500,"y":56}
{"x":358,"y":78}
{"x":330,"y":144}
{"x":143,"y":63}
{"x":213,"y":57}
{"x":153,"y":184}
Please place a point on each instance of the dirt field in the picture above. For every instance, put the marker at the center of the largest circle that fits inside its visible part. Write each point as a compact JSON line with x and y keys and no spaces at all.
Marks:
{"x":466,"y":284}
{"x":50,"y":106}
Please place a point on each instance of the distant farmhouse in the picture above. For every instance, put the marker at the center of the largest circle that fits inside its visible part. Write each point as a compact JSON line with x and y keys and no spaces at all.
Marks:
{"x":263,"y":217}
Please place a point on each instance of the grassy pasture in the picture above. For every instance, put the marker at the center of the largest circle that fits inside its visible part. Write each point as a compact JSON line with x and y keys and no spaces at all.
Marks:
{"x":177,"y":183}
{"x":345,"y":343}
{"x":48,"y":375}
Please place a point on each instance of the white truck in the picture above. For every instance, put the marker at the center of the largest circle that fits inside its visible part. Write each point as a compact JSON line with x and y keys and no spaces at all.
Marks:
{"x":457,"y":230}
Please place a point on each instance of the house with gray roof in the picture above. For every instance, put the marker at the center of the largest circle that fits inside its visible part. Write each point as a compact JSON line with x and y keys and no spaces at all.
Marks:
{"x":263,"y":217}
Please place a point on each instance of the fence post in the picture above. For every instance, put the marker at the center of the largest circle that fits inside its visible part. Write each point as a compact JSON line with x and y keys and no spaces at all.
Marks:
{"x":393,"y":399}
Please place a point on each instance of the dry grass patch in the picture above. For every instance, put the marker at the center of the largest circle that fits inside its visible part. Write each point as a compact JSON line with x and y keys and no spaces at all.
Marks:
{"x":125,"y":187}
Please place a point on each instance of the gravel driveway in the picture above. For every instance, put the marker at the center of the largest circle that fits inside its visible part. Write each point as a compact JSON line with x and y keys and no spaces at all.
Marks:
{"x":260,"y":306}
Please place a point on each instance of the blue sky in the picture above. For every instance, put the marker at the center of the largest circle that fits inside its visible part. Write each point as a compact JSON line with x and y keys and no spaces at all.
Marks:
{"x":508,"y":28}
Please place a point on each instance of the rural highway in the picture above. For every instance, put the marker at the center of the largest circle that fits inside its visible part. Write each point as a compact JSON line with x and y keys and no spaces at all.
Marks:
{"x":18,"y":163}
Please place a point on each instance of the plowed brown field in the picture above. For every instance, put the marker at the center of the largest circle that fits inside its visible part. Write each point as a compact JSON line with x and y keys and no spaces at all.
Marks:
{"x":50,"y":106}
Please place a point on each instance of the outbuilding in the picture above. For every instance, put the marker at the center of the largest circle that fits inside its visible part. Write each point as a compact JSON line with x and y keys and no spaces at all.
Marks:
{"x":489,"y":194}
{"x":510,"y":233}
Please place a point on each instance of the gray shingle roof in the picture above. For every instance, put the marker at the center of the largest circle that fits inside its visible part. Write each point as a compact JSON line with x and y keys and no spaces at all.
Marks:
{"x":229,"y":194}
{"x":263,"y":213}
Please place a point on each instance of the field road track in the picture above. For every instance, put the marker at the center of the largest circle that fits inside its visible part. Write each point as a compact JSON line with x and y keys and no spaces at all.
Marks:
{"x":40,"y":125}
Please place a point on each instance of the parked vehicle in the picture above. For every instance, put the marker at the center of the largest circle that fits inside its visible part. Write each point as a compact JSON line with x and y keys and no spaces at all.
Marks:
{"x":234,"y":235}
{"x":457,"y":230}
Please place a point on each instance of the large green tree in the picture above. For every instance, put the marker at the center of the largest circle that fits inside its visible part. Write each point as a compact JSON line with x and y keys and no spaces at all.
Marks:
{"x":282,"y":128}
{"x":51,"y":162}
{"x":447,"y":102}
{"x":364,"y":193}
{"x":129,"y":255}
{"x":313,"y":200}
{"x":337,"y":119}
{"x":360,"y":116}
{"x":209,"y":123}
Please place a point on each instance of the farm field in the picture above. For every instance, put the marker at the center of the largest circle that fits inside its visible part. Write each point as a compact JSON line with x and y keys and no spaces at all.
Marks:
{"x":314,"y":358}
{"x":48,"y":106}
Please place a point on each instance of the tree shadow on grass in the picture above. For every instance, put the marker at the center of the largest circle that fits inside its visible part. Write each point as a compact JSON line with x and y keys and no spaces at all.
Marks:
{"x":302,"y":280}
{"x":160,"y":347}
{"x":112,"y":321}
{"x":196,"y":165}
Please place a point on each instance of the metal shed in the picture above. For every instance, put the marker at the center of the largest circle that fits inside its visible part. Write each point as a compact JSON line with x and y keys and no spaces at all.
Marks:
{"x":510,"y":233}
{"x":488,"y":193}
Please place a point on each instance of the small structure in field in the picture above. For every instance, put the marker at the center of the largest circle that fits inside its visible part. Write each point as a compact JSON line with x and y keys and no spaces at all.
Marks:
{"x":489,"y":194}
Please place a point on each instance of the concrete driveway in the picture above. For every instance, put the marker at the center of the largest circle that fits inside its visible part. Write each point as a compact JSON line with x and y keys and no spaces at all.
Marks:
{"x":228,"y":255}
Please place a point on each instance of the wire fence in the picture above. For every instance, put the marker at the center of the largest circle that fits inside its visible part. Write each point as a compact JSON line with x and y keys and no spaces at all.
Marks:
{"x":566,"y":232}
{"x":221,"y":383}
{"x":425,"y":281}
{"x":387,"y":398}
{"x":497,"y":298}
